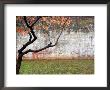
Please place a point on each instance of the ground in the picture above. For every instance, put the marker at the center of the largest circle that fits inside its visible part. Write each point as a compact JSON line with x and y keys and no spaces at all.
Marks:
{"x":57,"y":67}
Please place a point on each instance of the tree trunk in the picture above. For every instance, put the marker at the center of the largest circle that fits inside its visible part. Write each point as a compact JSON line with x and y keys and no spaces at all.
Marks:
{"x":18,"y":64}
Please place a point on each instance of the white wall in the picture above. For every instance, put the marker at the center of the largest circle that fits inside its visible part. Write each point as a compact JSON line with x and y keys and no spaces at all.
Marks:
{"x":71,"y":45}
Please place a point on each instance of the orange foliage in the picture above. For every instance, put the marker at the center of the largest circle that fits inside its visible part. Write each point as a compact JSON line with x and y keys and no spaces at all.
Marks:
{"x":46,"y":21}
{"x":21,"y":31}
{"x":43,"y":18}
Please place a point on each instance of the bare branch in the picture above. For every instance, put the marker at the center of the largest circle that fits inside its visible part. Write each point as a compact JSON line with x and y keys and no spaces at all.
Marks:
{"x":36,"y":20}
{"x":60,"y":33}
{"x":58,"y":37}
{"x":30,"y":27}
{"x":30,"y":40}
{"x":30,"y":37}
{"x":25,"y":19}
{"x":49,"y":45}
{"x":26,"y":44}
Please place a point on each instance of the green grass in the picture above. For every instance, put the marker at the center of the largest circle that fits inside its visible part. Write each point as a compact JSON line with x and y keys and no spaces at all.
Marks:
{"x":57,"y":67}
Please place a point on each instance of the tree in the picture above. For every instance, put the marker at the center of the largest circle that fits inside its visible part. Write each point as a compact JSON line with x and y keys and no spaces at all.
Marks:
{"x":27,"y":24}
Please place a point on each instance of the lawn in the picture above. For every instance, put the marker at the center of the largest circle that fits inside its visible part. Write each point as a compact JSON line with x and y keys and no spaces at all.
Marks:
{"x":57,"y":67}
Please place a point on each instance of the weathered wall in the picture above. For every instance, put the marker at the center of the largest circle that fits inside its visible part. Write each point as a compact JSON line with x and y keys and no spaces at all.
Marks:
{"x":73,"y":45}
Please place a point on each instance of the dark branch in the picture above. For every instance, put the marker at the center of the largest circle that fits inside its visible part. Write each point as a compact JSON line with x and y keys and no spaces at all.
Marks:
{"x":26,"y":44}
{"x":58,"y":37}
{"x":30,"y":27}
{"x":30,"y":38}
{"x":31,"y":32}
{"x":25,"y":19}
{"x":49,"y":45}
{"x":60,"y":33}
{"x":36,"y":20}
